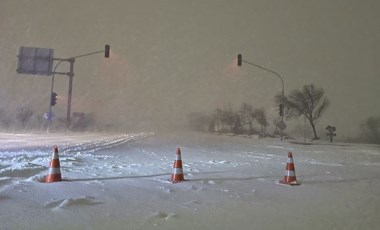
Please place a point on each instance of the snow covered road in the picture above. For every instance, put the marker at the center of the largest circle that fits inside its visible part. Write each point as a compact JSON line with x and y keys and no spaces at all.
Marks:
{"x":121,"y":182}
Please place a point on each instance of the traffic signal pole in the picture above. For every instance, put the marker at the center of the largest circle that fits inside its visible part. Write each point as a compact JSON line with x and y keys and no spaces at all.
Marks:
{"x":51,"y":93}
{"x":240,"y":61}
{"x":70,"y":74}
{"x":51,"y":101}
{"x":69,"y":94}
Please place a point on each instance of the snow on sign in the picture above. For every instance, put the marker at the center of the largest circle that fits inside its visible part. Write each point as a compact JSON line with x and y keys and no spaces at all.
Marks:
{"x":282,"y":125}
{"x":35,"y":61}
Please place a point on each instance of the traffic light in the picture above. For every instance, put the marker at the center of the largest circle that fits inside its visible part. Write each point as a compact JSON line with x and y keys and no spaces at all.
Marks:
{"x":239,"y":60}
{"x":53,"y":99}
{"x":107,"y":51}
{"x":281,"y":110}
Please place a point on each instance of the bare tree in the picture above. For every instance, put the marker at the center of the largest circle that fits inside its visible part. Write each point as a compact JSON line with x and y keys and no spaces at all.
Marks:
{"x":229,"y":116}
{"x":276,"y":122}
{"x":310,"y":102}
{"x":371,"y":127}
{"x":218,"y":119}
{"x":223,"y":118}
{"x":23,"y":115}
{"x":246,"y":115}
{"x":5,"y":120}
{"x":198,"y":121}
{"x":261,"y":118}
{"x":237,"y":126}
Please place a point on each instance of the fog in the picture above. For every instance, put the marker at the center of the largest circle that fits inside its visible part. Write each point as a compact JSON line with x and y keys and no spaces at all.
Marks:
{"x":173,"y":57}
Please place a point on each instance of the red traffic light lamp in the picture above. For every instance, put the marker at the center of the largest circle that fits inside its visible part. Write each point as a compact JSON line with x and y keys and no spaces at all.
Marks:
{"x":239,"y":60}
{"x":107,"y":51}
{"x":53,"y":100}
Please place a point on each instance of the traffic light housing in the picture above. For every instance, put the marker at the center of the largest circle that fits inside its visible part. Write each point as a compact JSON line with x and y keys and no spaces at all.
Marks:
{"x":107,"y":51}
{"x":281,"y":110}
{"x":239,"y":60}
{"x":53,"y":99}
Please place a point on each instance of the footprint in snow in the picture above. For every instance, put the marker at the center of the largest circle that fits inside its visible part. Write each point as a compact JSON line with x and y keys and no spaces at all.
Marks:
{"x":195,"y":188}
{"x":163,"y":215}
{"x":69,"y":202}
{"x":193,"y":202}
{"x":166,"y":189}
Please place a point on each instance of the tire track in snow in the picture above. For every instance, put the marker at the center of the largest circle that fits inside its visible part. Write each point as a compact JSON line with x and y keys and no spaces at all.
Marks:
{"x":104,"y":143}
{"x":31,"y":163}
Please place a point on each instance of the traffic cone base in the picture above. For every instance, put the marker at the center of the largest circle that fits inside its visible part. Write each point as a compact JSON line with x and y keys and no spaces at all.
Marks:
{"x":177,"y":174}
{"x":53,"y":178}
{"x":289,"y":183}
{"x":54,"y":168}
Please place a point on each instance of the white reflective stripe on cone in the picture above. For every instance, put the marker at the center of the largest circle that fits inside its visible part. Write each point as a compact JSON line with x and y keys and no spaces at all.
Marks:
{"x":55,"y":156}
{"x":177,"y":171}
{"x":54,"y":171}
{"x":290,"y":173}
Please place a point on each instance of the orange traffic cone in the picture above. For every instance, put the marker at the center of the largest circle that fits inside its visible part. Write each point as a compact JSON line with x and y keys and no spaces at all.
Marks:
{"x":290,"y":173}
{"x":177,"y":174}
{"x":54,"y":168}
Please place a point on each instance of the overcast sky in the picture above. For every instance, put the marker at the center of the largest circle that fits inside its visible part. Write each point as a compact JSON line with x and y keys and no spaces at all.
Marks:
{"x":174,"y":57}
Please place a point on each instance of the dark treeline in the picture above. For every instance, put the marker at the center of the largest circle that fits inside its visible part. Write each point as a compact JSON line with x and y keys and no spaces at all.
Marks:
{"x":245,"y":120}
{"x":24,"y":118}
{"x":253,"y":121}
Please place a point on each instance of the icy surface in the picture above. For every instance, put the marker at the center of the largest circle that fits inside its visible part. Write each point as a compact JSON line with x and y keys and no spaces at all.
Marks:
{"x":120,"y":181}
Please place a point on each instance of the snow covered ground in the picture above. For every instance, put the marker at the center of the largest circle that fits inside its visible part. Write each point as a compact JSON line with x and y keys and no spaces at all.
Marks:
{"x":120,"y":181}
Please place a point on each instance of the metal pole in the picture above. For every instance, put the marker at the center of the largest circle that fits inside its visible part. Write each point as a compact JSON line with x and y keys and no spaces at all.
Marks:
{"x":71,"y":78}
{"x":282,"y":84}
{"x":69,"y":94}
{"x":51,"y":92}
{"x":49,"y":113}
